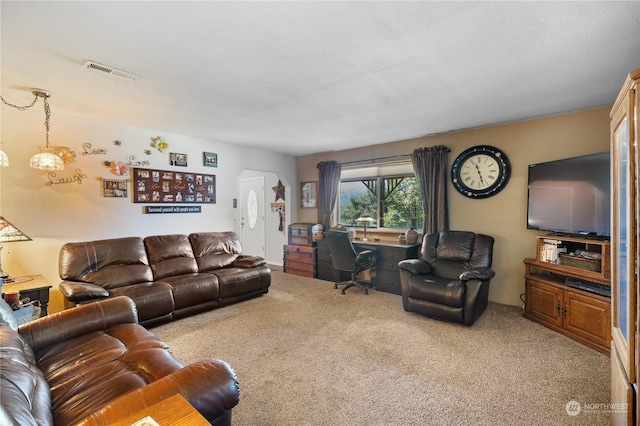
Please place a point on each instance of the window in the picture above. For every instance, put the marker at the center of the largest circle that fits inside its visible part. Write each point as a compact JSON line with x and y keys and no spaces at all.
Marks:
{"x":392,"y":200}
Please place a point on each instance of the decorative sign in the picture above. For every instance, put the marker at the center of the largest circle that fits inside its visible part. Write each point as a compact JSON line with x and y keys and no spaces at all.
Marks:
{"x":89,"y":150}
{"x":77,"y":177}
{"x":163,"y":186}
{"x":171,"y":209}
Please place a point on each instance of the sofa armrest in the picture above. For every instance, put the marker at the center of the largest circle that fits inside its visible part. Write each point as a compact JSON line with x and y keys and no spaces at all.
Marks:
{"x":482,"y":274}
{"x":210,"y":386}
{"x":247,"y":261}
{"x":77,"y":321}
{"x":415,"y":266}
{"x":78,"y":292}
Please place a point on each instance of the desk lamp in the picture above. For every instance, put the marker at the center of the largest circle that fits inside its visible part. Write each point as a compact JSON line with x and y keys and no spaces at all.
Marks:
{"x":365,"y":219}
{"x":9,"y":233}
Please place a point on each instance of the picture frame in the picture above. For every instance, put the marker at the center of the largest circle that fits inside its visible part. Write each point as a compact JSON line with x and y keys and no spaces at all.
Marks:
{"x":210,"y":159}
{"x":177,"y":159}
{"x":112,"y":188}
{"x":308,"y":195}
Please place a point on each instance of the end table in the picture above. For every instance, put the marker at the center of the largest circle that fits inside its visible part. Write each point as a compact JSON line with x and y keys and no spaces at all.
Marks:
{"x":35,"y":287}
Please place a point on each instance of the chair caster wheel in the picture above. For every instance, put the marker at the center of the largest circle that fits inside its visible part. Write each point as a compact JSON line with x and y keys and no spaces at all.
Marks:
{"x":335,"y":285}
{"x":366,"y":292}
{"x":342,"y":292}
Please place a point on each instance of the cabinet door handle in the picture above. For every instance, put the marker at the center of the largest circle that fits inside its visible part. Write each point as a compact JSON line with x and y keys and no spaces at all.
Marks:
{"x":564,"y":311}
{"x":558,"y":307}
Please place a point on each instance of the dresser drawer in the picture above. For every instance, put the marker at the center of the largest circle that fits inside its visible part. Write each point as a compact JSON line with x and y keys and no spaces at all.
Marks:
{"x":388,"y":259}
{"x":388,"y":281}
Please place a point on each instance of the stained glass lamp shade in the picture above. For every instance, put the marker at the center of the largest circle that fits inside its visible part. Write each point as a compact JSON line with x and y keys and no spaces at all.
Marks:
{"x":9,"y":233}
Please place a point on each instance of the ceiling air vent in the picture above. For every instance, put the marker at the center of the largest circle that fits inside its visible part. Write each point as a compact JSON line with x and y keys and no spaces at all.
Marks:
{"x":109,"y":72}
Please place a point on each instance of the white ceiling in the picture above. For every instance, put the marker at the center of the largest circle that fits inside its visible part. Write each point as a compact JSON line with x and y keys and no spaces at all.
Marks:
{"x":306,"y":77}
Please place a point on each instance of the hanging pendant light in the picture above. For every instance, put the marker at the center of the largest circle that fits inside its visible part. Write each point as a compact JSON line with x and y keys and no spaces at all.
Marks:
{"x":46,"y":159}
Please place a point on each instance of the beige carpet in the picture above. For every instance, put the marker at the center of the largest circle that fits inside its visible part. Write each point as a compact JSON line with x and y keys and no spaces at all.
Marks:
{"x":307,"y":355}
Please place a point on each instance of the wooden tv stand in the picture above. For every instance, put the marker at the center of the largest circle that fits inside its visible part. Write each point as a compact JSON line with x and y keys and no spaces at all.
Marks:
{"x":582,"y":315}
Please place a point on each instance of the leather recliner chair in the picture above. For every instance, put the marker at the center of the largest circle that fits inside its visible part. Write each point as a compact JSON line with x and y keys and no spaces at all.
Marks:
{"x":450,"y":280}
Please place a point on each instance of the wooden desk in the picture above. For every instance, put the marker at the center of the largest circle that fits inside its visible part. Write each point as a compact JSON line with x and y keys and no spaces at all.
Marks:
{"x":35,"y":287}
{"x":173,"y":411}
{"x":388,"y":255}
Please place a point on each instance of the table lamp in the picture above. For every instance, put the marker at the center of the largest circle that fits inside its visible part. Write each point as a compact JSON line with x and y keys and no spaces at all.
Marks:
{"x":365,"y":219}
{"x":9,"y":233}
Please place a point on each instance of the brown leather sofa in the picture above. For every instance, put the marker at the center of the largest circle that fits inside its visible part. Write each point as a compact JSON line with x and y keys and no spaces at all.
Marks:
{"x":94,"y":364}
{"x":167,"y":276}
{"x":450,"y":280}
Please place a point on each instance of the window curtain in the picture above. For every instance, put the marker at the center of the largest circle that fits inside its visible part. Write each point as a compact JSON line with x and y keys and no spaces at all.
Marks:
{"x":329,"y":176}
{"x":430,"y":167}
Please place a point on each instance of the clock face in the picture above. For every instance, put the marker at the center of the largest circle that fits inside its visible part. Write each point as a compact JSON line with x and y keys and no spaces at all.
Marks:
{"x":480,"y":172}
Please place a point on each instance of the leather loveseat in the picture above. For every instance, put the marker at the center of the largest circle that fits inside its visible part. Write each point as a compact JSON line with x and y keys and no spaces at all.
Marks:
{"x":94,"y":364}
{"x":167,"y":276}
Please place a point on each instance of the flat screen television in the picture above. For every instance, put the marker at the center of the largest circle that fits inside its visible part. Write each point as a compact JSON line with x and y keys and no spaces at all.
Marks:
{"x":571,"y":196}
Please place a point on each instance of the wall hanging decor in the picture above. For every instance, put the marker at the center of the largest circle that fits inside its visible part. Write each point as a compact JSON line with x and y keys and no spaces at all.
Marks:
{"x":279,"y":190}
{"x":171,"y":209}
{"x":280,"y":209}
{"x":159,"y":143}
{"x":308,"y":195}
{"x":209,"y":159}
{"x":164,"y":186}
{"x":114,"y":188}
{"x":176,"y":159}
{"x":117,"y":168}
{"x":88,"y":149}
{"x":76,"y":177}
{"x":67,"y":154}
{"x":132,"y":162}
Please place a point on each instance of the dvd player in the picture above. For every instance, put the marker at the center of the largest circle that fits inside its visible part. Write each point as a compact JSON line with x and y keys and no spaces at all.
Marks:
{"x":600,"y":289}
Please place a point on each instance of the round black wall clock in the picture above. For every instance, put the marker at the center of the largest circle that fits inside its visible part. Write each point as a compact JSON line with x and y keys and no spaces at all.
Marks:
{"x":480,"y":172}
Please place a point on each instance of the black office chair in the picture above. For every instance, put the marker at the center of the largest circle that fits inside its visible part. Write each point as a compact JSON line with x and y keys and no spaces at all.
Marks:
{"x":345,"y":258}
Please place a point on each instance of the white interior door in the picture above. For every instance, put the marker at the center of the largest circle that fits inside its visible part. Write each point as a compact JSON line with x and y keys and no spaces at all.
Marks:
{"x":252,"y":220}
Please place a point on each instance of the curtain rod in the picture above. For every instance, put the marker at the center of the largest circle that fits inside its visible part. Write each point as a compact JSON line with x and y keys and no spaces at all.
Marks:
{"x":377,"y":160}
{"x":394,"y":157}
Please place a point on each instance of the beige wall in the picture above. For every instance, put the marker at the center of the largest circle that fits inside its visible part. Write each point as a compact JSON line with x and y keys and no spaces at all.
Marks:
{"x":504,"y":215}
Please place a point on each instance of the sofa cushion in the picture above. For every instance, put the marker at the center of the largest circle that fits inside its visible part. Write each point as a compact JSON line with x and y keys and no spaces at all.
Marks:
{"x":87,"y":372}
{"x":24,"y":393}
{"x":437,"y":289}
{"x":193,"y":289}
{"x":152,"y":300}
{"x":455,"y":245}
{"x":108,"y":263}
{"x":170,"y":255}
{"x":215,"y":250}
{"x":239,"y":281}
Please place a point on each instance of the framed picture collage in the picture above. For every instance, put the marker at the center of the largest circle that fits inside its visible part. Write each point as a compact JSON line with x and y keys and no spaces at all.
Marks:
{"x":163,"y":186}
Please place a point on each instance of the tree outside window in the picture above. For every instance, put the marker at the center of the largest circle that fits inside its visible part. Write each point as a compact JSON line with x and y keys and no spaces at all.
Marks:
{"x":391,"y":201}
